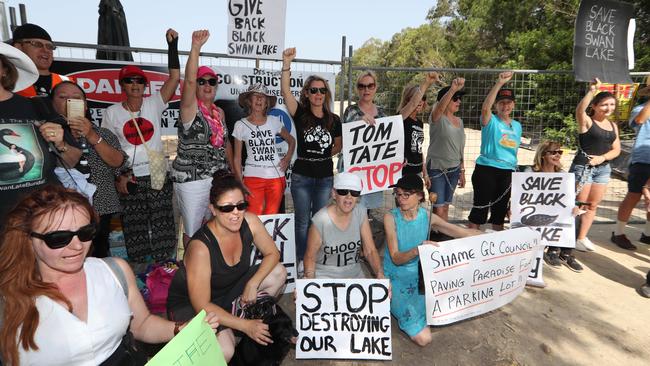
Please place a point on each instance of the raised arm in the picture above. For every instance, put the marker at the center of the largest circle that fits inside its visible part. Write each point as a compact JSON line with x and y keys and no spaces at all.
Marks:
{"x":486,"y":109}
{"x":169,"y":87}
{"x":456,"y":85}
{"x":188,"y":97}
{"x":289,"y":100}
{"x":643,"y":115}
{"x":581,"y":110}
{"x":429,"y":78}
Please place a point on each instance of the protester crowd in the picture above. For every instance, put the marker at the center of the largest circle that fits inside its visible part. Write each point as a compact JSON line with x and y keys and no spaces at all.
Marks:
{"x":119,"y":168}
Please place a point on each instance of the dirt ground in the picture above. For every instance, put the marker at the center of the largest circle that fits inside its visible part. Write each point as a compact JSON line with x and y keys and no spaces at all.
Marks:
{"x":591,"y":318}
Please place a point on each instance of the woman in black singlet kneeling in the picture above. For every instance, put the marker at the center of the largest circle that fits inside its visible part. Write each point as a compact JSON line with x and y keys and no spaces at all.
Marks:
{"x":217,"y":266}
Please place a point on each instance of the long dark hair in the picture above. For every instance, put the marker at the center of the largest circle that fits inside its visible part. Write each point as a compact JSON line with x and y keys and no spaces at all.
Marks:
{"x":598,"y":99}
{"x":222,"y":182}
{"x":328,"y":115}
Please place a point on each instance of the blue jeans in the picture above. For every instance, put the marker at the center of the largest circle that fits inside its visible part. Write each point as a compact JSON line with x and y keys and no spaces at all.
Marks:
{"x":444,"y":183}
{"x":309,"y":195}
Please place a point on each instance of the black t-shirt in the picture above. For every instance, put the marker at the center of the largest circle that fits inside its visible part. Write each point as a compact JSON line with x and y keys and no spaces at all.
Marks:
{"x":315,"y":144}
{"x":26,"y":164}
{"x":413,"y":141}
{"x":43,"y":85}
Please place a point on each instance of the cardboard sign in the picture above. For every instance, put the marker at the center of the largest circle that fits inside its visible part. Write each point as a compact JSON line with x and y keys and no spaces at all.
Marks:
{"x":467,"y":277}
{"x":343,"y":319}
{"x":195,"y":345}
{"x":625,"y":95}
{"x":601,"y":36}
{"x":281,"y":227}
{"x":256,"y":28}
{"x":375,"y":153}
{"x":536,"y":277}
{"x":545,"y":202}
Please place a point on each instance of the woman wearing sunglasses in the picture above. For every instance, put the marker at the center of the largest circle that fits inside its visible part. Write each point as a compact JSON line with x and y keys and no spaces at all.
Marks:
{"x":263,"y":173}
{"x":148,"y":216}
{"x":217,"y":269}
{"x":318,"y":132}
{"x":446,"y":147}
{"x":338,"y":233}
{"x":407,"y":227}
{"x":598,"y":143}
{"x":60,"y":307}
{"x":203,"y":144}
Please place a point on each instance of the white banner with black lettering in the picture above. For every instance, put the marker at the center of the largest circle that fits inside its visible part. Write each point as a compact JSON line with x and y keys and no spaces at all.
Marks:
{"x":467,"y":277}
{"x":343,"y":319}
{"x":281,"y":227}
{"x":256,"y":28}
{"x":545,"y":202}
{"x":375,"y":153}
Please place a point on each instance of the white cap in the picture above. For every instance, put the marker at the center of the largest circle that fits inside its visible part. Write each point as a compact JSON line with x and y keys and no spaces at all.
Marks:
{"x":347,"y":181}
{"x":27,"y":72}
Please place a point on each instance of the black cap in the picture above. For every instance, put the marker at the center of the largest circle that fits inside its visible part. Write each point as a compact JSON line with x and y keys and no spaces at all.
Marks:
{"x":409,"y":182}
{"x":443,"y":91}
{"x":28,"y":31}
{"x":505,"y":94}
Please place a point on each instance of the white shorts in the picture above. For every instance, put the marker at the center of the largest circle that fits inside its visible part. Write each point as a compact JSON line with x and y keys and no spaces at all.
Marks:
{"x":193,"y":199}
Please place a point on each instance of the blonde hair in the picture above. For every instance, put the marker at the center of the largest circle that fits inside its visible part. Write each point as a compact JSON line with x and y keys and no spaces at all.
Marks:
{"x":407,"y":94}
{"x":542,"y":148}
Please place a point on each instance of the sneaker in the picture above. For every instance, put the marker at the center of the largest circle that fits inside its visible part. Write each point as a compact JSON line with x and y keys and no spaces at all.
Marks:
{"x":571,"y":262}
{"x":623,"y":242}
{"x":645,"y":239}
{"x":645,"y":290}
{"x":585,"y":245}
{"x":552,"y":258}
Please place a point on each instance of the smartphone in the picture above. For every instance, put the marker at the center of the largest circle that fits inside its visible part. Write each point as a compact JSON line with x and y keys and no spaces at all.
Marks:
{"x":75,"y":108}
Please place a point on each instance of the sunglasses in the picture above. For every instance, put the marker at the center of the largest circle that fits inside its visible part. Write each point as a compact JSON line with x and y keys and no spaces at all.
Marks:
{"x":456,"y":98}
{"x":344,"y":192}
{"x":61,"y":238}
{"x":316,"y":90}
{"x":39,"y":45}
{"x":230,"y":208}
{"x":211,"y":81}
{"x":554,"y":152}
{"x":370,"y":86}
{"x":133,"y":80}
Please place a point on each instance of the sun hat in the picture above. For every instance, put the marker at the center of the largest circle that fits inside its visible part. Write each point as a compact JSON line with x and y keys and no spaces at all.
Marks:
{"x":349,"y":181}
{"x":27,"y":72}
{"x":260,"y":89}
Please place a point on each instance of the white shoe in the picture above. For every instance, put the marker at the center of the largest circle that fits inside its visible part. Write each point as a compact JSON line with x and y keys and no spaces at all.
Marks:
{"x":585,"y":245}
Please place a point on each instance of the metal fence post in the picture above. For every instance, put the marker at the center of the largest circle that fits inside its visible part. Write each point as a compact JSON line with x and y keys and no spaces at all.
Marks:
{"x":350,"y":65}
{"x":342,"y":73}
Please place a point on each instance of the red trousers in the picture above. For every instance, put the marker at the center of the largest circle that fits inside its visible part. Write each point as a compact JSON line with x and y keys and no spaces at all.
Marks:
{"x":265,"y":194}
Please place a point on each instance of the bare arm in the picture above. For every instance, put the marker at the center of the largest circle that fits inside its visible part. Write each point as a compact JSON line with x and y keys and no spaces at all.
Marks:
{"x":286,"y":160}
{"x":369,"y":249}
{"x":188,"y":97}
{"x":82,"y":127}
{"x":289,"y":100}
{"x":314,"y":242}
{"x":169,"y":87}
{"x":611,"y":154}
{"x":338,"y":145}
{"x":581,"y":110}
{"x":644,"y":115}
{"x":398,"y":257}
{"x":271,"y":257}
{"x":430,"y":78}
{"x":452,"y":230}
{"x":237,"y":169}
{"x":456,"y":85}
{"x":486,"y":108}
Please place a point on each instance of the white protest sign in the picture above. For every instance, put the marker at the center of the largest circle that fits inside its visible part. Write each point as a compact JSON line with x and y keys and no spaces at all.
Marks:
{"x":256,"y":28}
{"x":375,"y":153}
{"x":545,"y":201}
{"x":467,"y":277}
{"x":535,"y":277}
{"x":343,"y":319}
{"x":281,"y":227}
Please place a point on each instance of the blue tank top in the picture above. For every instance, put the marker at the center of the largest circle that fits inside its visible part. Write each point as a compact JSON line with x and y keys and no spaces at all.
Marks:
{"x":410,"y":234}
{"x":499,"y":144}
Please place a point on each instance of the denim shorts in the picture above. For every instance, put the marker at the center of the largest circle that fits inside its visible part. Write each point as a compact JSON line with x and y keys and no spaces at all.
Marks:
{"x":639,"y":174}
{"x":592,"y":174}
{"x":444,"y":183}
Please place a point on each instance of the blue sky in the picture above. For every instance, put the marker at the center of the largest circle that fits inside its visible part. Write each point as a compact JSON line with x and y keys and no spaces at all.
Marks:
{"x":314,"y":27}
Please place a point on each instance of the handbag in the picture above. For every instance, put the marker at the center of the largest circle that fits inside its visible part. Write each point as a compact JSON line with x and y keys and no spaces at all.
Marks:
{"x":157,"y":162}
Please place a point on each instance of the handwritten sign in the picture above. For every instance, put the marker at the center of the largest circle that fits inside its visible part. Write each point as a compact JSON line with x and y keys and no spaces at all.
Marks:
{"x":256,"y":28}
{"x":375,"y":153}
{"x":281,"y":227}
{"x":343,"y":319}
{"x":601,"y":41}
{"x":545,"y":201}
{"x":195,"y":345}
{"x":467,"y":277}
{"x":536,"y":276}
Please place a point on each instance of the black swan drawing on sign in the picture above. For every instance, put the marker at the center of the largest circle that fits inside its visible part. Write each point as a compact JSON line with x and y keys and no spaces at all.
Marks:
{"x":538,"y":219}
{"x":11,"y":170}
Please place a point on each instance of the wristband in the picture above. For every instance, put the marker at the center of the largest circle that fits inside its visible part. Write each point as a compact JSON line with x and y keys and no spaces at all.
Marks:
{"x":99,"y":140}
{"x":287,"y":69}
{"x":646,"y":187}
{"x":173,"y":61}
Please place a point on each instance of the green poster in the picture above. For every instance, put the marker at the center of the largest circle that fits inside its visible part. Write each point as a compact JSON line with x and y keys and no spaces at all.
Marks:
{"x":195,"y":345}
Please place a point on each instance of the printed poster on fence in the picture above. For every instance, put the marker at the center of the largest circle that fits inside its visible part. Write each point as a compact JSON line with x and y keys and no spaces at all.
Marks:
{"x":195,"y":345}
{"x":282,"y":231}
{"x":343,"y":319}
{"x":602,"y":48}
{"x":375,"y":153}
{"x":467,"y":277}
{"x":256,"y":28}
{"x":545,"y":202}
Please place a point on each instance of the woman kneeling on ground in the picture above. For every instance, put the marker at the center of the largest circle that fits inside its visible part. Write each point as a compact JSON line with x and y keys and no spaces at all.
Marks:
{"x":406,"y":228}
{"x":217,"y":269}
{"x":60,"y":307}
{"x":338,"y":232}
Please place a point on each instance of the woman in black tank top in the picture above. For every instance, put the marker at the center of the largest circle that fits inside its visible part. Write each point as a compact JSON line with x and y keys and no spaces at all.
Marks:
{"x":217,"y":265}
{"x":599,"y":143}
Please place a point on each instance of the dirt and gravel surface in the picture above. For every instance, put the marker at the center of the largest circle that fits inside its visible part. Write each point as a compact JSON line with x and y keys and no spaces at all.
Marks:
{"x":596,"y":317}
